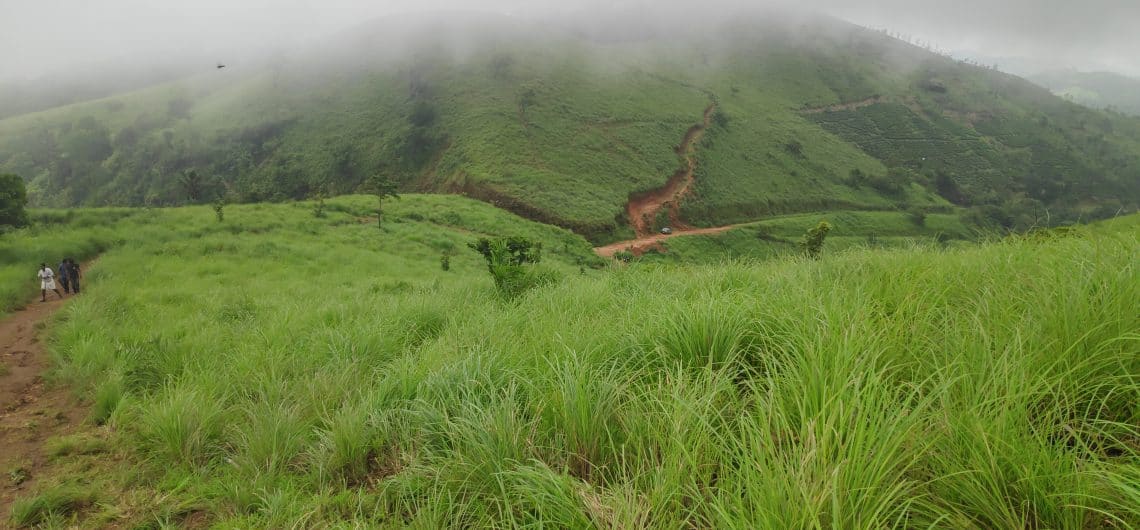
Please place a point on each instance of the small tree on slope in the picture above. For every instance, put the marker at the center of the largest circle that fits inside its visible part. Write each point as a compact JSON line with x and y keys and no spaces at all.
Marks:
{"x":13,"y":199}
{"x":191,"y":183}
{"x":506,"y":258}
{"x":220,"y":208}
{"x":382,"y":187}
{"x":813,"y":239}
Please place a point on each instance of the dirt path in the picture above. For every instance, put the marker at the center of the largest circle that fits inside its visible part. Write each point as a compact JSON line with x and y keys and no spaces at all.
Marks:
{"x":642,"y":245}
{"x":644,"y":207}
{"x":30,"y":412}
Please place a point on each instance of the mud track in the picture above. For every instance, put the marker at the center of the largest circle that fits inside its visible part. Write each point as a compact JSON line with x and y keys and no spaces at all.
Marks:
{"x":642,"y":245}
{"x":644,"y":207}
{"x":31,"y":411}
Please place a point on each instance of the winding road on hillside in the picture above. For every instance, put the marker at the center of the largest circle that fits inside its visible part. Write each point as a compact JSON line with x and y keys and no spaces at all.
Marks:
{"x":643,"y":208}
{"x":31,"y":412}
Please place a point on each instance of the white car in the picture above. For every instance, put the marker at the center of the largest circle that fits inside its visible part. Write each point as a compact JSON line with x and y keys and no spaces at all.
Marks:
{"x":666,"y":230}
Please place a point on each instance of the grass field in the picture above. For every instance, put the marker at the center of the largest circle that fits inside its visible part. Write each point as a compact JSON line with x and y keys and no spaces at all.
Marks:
{"x":426,"y":226}
{"x":277,"y":370}
{"x":55,"y":235}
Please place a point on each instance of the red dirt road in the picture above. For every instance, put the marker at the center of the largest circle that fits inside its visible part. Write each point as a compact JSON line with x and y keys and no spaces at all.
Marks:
{"x":30,"y":411}
{"x":642,"y":245}
{"x":643,"y":207}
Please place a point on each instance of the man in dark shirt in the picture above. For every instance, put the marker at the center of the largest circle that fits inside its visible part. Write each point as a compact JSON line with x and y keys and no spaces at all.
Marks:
{"x":64,"y":275}
{"x":73,"y":275}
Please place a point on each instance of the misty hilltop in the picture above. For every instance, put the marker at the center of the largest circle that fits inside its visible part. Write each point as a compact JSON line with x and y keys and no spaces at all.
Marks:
{"x":565,"y":121}
{"x":1100,"y":90}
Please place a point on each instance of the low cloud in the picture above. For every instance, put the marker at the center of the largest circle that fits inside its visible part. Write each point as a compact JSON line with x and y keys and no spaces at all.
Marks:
{"x":38,"y":37}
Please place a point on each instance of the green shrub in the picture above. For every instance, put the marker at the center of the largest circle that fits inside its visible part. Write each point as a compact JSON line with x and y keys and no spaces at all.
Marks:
{"x":813,"y":239}
{"x":513,"y":280}
{"x":219,"y":209}
{"x":624,"y":256}
{"x":507,"y":258}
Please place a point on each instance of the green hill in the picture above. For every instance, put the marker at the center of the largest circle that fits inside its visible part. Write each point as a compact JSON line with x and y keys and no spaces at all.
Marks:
{"x":564,"y":126}
{"x":1100,"y":90}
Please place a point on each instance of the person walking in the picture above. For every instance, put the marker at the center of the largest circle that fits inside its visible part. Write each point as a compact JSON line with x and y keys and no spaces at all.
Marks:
{"x":73,"y":275}
{"x":47,"y":282}
{"x":64,"y":275}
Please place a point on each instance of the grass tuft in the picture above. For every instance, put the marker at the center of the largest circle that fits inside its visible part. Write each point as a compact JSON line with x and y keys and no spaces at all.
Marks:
{"x":57,"y":504}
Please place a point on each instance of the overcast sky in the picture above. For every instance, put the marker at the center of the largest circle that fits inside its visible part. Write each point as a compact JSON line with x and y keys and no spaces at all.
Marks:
{"x":44,"y":36}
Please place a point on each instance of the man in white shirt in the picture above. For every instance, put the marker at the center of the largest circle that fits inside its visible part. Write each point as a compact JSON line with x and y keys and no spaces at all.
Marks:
{"x":47,"y":281}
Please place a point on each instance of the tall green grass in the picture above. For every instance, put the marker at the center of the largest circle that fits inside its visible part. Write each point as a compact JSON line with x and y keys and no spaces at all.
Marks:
{"x":54,"y":236}
{"x":304,"y":373}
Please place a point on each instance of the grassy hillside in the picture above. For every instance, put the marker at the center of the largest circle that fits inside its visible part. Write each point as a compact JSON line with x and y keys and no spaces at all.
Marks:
{"x":278,"y":370}
{"x":1100,"y":90}
{"x":423,"y":226}
{"x":562,"y":127}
